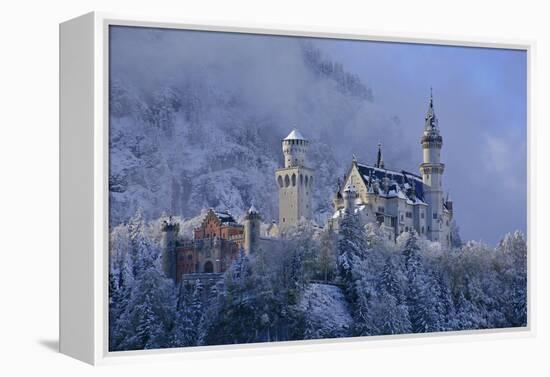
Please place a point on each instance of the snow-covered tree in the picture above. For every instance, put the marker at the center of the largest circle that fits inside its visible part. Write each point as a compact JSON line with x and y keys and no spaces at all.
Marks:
{"x":513,"y":249}
{"x":352,"y":247}
{"x":145,"y":302}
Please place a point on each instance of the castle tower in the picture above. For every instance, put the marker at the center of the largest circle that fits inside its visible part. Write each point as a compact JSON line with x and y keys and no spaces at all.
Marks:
{"x":350,"y":195}
{"x":170,"y":231}
{"x":251,"y":230}
{"x":295,"y":182}
{"x":432,"y":171}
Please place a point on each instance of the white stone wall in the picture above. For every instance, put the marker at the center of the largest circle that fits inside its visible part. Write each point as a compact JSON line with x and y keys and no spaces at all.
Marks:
{"x":295,"y":192}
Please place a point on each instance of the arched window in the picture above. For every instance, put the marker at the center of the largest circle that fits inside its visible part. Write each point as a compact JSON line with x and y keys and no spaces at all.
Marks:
{"x":306,"y":180}
{"x":301,"y":179}
{"x":287,"y":181}
{"x":293,"y":180}
{"x":280,"y":181}
{"x":208,"y":267}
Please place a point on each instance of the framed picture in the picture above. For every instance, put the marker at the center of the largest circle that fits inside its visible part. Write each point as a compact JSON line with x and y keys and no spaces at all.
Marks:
{"x":228,"y":187}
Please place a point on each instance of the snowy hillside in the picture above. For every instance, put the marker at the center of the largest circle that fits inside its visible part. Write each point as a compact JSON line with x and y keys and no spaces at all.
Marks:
{"x":327,"y":312}
{"x":193,"y":133}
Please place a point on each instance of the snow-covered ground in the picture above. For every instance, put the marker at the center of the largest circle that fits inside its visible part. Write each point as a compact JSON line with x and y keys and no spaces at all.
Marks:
{"x":326,"y":310}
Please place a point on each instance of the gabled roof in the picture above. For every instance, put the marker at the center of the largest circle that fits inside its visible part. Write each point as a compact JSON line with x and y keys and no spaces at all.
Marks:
{"x":403,"y":178}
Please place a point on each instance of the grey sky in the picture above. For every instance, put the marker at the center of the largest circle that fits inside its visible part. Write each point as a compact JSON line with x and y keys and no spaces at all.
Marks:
{"x":479,"y":95}
{"x":480,"y":99}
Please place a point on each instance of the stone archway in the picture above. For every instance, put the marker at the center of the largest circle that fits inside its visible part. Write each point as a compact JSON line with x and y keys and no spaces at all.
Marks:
{"x":208,"y":267}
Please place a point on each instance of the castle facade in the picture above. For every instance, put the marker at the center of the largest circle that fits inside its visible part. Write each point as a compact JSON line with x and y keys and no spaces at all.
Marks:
{"x":398,"y":200}
{"x":215,"y":244}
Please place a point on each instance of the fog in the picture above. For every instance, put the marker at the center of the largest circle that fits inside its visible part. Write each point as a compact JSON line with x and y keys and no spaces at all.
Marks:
{"x":479,"y":96}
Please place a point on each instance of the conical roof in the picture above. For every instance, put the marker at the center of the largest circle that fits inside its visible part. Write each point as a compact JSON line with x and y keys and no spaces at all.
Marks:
{"x":294,"y":135}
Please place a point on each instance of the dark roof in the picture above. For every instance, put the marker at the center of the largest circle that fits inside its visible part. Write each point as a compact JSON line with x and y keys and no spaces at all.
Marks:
{"x":224,"y":217}
{"x":401,"y":177}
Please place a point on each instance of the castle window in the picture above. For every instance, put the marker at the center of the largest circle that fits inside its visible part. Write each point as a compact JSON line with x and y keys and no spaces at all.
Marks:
{"x":311,"y":181}
{"x":280,"y":181}
{"x":434,"y":215}
{"x":422,"y":214}
{"x":301,"y":179}
{"x":287,"y":181}
{"x":293,"y":180}
{"x":306,"y":180}
{"x":422,"y":230}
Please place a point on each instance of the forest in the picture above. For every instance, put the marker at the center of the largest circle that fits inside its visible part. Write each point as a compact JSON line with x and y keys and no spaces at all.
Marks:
{"x":319,"y":284}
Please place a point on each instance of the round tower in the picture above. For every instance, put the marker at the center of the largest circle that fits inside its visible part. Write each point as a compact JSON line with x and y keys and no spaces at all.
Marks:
{"x":432,"y":172}
{"x":295,"y":148}
{"x":350,"y":195}
{"x":170,"y":231}
{"x":251,"y":230}
{"x":295,"y":182}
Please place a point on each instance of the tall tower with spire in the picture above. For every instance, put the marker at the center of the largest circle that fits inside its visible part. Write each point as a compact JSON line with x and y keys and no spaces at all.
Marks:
{"x":379,"y":160}
{"x":431,"y":170}
{"x":294,"y":181}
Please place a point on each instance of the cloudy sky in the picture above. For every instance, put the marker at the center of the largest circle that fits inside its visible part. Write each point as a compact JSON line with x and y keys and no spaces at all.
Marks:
{"x":479,"y":97}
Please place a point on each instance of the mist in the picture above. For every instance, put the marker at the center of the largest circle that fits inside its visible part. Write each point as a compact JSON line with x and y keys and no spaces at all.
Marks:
{"x":263,"y":83}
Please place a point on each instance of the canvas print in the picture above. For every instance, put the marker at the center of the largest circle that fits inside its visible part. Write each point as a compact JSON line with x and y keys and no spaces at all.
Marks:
{"x":268,"y":188}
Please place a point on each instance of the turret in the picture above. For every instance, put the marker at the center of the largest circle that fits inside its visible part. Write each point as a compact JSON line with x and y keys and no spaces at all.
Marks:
{"x":251,"y":230}
{"x":295,"y":148}
{"x":350,"y":195}
{"x":432,"y":172}
{"x":295,"y":181}
{"x":170,"y":231}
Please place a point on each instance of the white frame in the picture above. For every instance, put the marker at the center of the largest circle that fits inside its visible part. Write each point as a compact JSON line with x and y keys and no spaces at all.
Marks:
{"x":84,"y":191}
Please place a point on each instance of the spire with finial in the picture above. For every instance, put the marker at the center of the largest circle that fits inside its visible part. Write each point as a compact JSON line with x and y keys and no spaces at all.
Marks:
{"x":431,"y":123}
{"x":379,"y":159}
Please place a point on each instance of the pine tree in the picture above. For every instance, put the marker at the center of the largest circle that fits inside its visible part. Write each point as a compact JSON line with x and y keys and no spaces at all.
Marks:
{"x":513,"y":249}
{"x":389,"y":282}
{"x":421,"y":290}
{"x":147,"y":321}
{"x":351,"y":250}
{"x":185,"y":332}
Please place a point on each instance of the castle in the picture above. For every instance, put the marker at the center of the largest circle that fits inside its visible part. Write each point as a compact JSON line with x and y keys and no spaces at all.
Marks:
{"x":399,"y":201}
{"x":215,"y":244}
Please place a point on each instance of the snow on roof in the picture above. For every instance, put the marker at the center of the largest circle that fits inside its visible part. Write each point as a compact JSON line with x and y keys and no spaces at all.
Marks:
{"x":224,"y":217}
{"x":397,"y":177}
{"x":294,"y":135}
